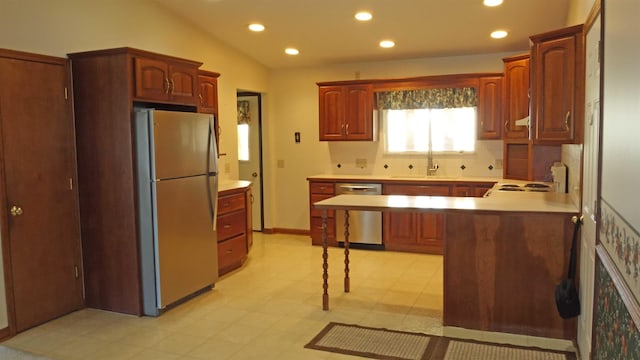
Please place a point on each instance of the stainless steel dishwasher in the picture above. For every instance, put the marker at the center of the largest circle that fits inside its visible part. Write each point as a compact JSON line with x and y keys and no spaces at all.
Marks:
{"x":365,"y":227}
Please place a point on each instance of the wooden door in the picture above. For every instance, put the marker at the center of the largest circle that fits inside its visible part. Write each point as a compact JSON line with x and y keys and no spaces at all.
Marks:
{"x":515,"y":96}
{"x":554,"y":92}
{"x":332,"y":103}
{"x":152,"y":79}
{"x":359,"y":112}
{"x":208,"y":83}
{"x":41,"y":241}
{"x":184,"y":84}
{"x":490,"y":108}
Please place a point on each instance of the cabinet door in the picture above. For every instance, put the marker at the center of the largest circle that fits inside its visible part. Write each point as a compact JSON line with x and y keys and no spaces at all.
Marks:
{"x":399,"y":230}
{"x":490,"y":108}
{"x":480,"y":190}
{"x":462,"y":190}
{"x":431,"y":232}
{"x":516,"y":161}
{"x":554,"y":92}
{"x":331,"y":107}
{"x":515,"y":96}
{"x":183,"y":84}
{"x":208,"y":97}
{"x":152,"y":79}
{"x":359,"y":112}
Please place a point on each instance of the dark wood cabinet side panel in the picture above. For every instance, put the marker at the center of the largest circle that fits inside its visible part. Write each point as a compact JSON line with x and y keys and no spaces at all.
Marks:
{"x":106,"y":183}
{"x":501,"y":271}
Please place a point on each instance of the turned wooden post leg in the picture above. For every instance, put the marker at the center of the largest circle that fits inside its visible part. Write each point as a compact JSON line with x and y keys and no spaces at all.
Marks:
{"x":347,"y":285}
{"x":325,"y":264}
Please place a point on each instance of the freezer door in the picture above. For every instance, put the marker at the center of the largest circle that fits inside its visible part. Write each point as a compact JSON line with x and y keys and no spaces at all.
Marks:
{"x":180,"y":141}
{"x":187,"y":250}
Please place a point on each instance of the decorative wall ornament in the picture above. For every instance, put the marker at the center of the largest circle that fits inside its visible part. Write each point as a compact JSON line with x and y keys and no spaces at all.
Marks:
{"x":622,"y":242}
{"x":244,"y":112}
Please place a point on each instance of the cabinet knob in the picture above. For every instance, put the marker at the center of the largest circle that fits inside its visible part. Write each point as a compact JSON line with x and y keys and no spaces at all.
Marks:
{"x":15,"y":211}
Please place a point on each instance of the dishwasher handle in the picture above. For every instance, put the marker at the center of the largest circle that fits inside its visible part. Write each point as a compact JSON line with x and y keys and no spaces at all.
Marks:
{"x":370,"y":189}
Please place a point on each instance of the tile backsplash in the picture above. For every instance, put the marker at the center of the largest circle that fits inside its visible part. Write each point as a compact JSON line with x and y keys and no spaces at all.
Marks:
{"x":354,"y":158}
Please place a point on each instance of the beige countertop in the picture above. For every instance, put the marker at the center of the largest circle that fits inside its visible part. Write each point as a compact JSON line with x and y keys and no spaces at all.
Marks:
{"x":549,"y":202}
{"x":225,"y":185}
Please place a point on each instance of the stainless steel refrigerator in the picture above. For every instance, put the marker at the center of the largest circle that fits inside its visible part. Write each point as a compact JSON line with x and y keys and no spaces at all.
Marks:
{"x":176,"y":157}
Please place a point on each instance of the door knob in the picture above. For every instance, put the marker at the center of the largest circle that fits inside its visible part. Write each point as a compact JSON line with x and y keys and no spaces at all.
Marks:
{"x":255,"y":174}
{"x":16,"y":211}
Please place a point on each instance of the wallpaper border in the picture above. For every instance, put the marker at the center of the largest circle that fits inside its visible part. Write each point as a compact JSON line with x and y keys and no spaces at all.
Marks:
{"x":622,"y":242}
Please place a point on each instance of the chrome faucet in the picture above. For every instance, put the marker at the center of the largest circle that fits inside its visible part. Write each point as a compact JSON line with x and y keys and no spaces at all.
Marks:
{"x":431,"y":167}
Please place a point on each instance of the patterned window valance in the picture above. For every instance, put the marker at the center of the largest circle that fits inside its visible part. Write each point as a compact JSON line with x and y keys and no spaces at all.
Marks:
{"x":441,"y":98}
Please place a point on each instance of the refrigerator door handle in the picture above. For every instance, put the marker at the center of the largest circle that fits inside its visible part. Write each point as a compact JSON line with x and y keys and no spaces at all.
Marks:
{"x":212,"y":159}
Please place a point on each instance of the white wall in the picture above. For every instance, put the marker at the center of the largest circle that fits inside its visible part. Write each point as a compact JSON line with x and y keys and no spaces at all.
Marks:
{"x":65,"y":26}
{"x":294,"y":108}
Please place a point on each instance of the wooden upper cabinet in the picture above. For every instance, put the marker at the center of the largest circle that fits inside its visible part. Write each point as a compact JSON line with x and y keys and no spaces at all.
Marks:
{"x":515,"y":96}
{"x":166,"y":80}
{"x":490,"y":108}
{"x":208,"y":94}
{"x":359,"y":112}
{"x":557,"y":63}
{"x":346,"y":112}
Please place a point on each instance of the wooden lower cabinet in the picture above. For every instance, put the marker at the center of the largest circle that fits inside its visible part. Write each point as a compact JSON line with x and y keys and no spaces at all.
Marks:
{"x":471,"y":190}
{"x":234,"y":228}
{"x":320,"y":190}
{"x":414,"y":232}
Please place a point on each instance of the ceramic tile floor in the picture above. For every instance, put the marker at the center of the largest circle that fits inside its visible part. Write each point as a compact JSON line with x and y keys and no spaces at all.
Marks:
{"x":268,"y":309}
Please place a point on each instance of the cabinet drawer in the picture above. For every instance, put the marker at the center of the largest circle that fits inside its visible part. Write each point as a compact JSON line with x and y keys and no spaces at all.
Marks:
{"x":231,"y":224}
{"x":231,"y":253}
{"x":322,"y":188}
{"x":417,"y":190}
{"x":229,"y":203}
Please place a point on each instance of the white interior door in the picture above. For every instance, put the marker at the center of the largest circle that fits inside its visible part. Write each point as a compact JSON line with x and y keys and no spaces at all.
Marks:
{"x":590,"y":176}
{"x":251,"y":169}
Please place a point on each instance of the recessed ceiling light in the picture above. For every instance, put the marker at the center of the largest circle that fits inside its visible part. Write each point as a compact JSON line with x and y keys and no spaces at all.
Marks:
{"x":291,"y":51}
{"x":363,"y":16}
{"x":387,"y":44}
{"x":499,"y":34}
{"x":492,"y":2}
{"x":256,"y":27}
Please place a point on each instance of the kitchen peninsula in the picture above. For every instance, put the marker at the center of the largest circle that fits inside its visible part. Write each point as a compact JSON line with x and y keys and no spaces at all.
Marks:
{"x":503,"y":255}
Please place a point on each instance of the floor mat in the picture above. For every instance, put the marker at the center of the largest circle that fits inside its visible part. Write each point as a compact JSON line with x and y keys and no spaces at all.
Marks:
{"x":388,"y":344}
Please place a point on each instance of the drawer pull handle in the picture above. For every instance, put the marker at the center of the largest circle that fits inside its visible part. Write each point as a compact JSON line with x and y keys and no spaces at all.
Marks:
{"x":229,"y":251}
{"x":226,"y":226}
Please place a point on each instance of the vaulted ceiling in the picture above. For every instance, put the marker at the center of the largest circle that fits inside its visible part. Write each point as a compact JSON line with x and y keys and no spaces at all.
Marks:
{"x":325,"y":31}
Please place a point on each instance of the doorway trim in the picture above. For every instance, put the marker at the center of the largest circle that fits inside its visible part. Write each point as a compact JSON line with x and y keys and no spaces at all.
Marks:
{"x":241,"y":93}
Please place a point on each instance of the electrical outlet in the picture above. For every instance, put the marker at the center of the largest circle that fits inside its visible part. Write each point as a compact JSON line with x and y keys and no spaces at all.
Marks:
{"x":227,"y":168}
{"x":280,"y":164}
{"x":361,"y":163}
{"x":498,"y":164}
